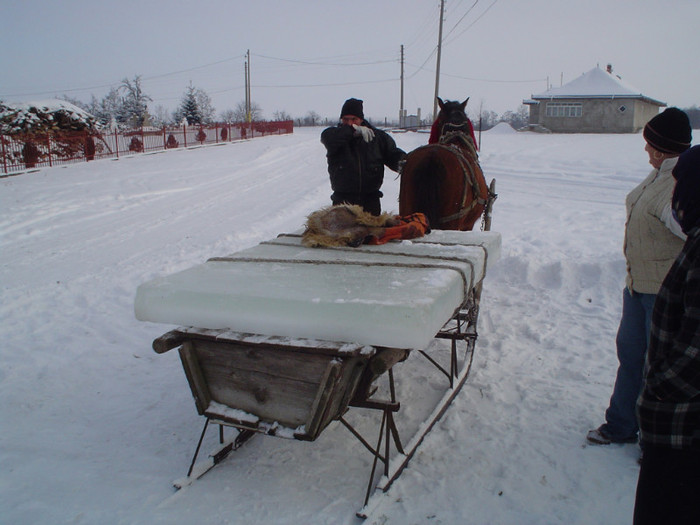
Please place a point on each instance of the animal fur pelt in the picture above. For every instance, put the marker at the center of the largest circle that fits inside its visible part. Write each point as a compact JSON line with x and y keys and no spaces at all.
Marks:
{"x":350,"y":225}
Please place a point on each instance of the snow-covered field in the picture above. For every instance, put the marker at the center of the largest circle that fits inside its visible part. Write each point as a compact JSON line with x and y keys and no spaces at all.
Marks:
{"x":96,"y":426}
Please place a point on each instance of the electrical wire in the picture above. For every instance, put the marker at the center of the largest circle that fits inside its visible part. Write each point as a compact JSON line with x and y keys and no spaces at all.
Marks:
{"x":460,"y":20}
{"x":474,"y":22}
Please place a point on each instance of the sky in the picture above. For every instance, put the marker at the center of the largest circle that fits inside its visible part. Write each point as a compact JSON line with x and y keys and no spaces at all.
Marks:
{"x":311,"y":55}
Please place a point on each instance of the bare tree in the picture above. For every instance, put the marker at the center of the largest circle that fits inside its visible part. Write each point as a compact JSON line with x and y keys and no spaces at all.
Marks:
{"x":135,"y":102}
{"x":228,"y":116}
{"x":311,"y":119}
{"x":240,"y":112}
{"x":161,"y":116}
{"x":206,"y":110}
{"x":281,"y":115}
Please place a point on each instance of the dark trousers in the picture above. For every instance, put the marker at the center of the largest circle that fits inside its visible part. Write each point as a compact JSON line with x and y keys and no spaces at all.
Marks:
{"x":668,"y":490}
{"x":632,"y":339}
{"x":369,"y":201}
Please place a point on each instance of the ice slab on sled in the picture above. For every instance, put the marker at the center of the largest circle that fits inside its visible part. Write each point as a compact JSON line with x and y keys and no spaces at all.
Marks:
{"x":395,"y":295}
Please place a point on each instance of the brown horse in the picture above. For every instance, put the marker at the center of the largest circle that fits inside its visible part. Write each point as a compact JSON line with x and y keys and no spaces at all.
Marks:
{"x":444,"y":180}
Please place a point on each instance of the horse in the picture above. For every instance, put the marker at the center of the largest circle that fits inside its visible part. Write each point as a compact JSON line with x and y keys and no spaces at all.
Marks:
{"x":444,"y":180}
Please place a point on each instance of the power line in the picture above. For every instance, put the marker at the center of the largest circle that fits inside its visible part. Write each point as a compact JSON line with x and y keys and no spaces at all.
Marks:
{"x":333,"y":84}
{"x":112,"y":84}
{"x":194,"y":68}
{"x":320,"y":63}
{"x":460,"y":20}
{"x":474,"y":22}
{"x":496,"y":81}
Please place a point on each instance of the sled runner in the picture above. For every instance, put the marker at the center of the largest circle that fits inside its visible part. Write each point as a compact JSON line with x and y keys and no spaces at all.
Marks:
{"x":284,"y":340}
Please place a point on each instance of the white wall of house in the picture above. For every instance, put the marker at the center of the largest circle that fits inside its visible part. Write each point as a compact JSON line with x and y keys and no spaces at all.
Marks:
{"x":596,"y":115}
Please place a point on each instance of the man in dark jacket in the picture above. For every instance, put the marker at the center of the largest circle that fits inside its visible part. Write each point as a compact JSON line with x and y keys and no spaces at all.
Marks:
{"x":357,"y":153}
{"x":669,"y":406}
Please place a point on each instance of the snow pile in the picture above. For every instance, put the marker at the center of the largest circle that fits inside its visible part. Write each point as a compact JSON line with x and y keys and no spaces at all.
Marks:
{"x":96,"y":426}
{"x":502,"y":128}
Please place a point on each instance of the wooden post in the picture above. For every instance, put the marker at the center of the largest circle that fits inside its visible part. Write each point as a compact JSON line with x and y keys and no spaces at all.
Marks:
{"x":489,"y":205}
{"x":439,"y":53}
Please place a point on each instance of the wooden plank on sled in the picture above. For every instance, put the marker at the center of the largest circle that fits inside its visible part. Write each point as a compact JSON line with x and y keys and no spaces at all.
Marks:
{"x":289,"y":388}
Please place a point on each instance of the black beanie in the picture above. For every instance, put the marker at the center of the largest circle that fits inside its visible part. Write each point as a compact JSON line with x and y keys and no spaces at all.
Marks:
{"x":686,"y":195}
{"x":352,"y":107}
{"x":669,"y":132}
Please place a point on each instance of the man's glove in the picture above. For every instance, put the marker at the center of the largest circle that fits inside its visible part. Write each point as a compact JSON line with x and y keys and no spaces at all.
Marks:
{"x":367,"y":133}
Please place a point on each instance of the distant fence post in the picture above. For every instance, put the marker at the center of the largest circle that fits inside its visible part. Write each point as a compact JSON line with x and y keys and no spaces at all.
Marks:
{"x":48,"y":147}
{"x":116,"y":143}
{"x":4,"y":154}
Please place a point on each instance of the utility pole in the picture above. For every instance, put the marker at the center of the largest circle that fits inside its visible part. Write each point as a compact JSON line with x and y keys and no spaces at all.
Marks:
{"x":439,"y":52}
{"x":402,"y":118}
{"x":245,"y":89}
{"x":248,"y":103}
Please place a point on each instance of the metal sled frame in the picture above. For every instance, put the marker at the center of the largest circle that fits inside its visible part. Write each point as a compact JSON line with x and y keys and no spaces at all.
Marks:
{"x":460,"y":330}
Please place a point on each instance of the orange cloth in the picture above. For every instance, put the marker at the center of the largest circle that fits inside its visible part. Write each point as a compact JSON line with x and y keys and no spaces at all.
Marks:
{"x":411,"y":227}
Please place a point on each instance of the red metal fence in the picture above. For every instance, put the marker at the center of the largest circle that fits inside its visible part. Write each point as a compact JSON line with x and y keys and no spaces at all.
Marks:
{"x":22,"y":152}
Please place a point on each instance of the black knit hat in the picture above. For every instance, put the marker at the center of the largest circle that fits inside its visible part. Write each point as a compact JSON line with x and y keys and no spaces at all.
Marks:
{"x":686,"y":195}
{"x":352,"y":107}
{"x":669,"y":132}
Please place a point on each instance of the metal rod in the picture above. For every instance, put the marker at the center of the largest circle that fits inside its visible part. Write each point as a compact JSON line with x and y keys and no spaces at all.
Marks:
{"x":376,"y":457}
{"x":435,"y":363}
{"x":387,"y":443}
{"x":392,"y":388}
{"x":360,"y":438}
{"x":199,"y":444}
{"x":395,"y":434}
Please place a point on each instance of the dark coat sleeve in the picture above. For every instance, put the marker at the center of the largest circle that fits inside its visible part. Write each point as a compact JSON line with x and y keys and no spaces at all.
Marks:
{"x":392,"y":155}
{"x":336,"y":138}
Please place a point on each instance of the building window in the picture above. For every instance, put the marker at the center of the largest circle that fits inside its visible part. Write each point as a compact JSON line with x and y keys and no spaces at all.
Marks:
{"x":622,"y":109}
{"x":564,"y":110}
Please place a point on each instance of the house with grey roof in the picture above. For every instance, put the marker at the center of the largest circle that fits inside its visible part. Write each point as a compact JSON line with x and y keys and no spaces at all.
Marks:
{"x":596,"y":102}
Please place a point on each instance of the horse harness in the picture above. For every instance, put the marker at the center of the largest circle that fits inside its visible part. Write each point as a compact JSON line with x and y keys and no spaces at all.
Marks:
{"x":456,"y":142}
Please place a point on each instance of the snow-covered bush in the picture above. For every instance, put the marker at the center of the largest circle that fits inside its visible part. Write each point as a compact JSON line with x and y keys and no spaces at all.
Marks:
{"x":44,"y":116}
{"x":37,"y":131}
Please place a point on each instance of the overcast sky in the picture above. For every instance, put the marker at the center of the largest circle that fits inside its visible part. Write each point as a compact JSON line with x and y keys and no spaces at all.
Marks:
{"x":311,"y":55}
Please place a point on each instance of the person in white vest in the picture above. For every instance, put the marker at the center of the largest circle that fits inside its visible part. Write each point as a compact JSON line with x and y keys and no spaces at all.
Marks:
{"x":653,"y":240}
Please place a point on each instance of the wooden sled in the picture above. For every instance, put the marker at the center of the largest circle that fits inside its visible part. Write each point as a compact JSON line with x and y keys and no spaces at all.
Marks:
{"x":295,"y":386}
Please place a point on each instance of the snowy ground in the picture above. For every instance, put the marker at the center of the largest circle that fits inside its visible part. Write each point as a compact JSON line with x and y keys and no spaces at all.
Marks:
{"x":96,"y":426}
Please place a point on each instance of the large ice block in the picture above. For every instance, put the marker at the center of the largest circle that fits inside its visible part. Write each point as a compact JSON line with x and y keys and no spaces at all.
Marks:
{"x":395,"y":295}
